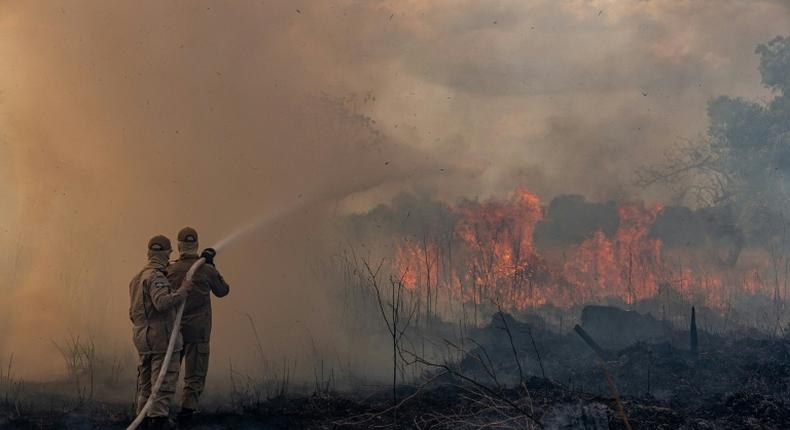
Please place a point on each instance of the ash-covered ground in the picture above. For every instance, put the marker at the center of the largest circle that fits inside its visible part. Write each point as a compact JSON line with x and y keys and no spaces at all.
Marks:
{"x":511,"y":373}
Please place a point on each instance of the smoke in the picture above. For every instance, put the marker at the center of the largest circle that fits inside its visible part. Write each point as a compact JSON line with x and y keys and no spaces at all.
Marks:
{"x":571,"y":97}
{"x":126,"y":121}
{"x":119,"y":121}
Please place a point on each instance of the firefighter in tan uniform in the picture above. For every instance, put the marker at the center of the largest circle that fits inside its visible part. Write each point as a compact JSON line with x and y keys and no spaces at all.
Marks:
{"x":196,"y":322}
{"x":152,"y":311}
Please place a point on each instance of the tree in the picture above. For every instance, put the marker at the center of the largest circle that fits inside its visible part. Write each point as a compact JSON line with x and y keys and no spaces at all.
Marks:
{"x":743,"y":163}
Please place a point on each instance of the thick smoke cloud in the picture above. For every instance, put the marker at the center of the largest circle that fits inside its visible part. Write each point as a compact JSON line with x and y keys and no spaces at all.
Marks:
{"x":125,"y":121}
{"x":571,"y":97}
{"x":122,"y":120}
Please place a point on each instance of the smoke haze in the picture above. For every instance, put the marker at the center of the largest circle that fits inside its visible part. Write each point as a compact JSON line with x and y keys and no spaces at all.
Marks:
{"x":124,"y":120}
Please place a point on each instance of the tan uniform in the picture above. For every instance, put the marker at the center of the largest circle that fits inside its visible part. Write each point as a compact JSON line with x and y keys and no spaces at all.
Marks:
{"x":196,"y":323}
{"x":152,"y":311}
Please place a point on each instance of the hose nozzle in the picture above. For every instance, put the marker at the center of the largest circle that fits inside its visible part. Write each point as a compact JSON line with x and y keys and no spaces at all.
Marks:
{"x":208,"y":254}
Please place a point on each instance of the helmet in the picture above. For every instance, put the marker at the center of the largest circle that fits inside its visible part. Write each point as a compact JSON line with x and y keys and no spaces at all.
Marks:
{"x":187,"y":234}
{"x":159,"y":243}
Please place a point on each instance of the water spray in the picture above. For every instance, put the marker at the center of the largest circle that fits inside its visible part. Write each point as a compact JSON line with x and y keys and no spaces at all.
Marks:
{"x":249,"y":228}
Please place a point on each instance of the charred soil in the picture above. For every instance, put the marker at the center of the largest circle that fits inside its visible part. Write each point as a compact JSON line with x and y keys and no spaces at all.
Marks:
{"x":732,"y":382}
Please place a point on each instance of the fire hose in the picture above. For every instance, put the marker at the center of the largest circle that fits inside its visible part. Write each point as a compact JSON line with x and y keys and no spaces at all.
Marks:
{"x":169,"y":355}
{"x":256,"y":224}
{"x":260,"y":222}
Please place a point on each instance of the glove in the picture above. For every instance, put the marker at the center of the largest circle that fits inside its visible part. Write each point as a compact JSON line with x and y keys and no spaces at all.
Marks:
{"x":208,"y":255}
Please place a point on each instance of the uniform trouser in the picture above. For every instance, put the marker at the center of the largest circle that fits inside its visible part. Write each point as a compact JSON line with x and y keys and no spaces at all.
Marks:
{"x":195,"y":369}
{"x":147,"y":372}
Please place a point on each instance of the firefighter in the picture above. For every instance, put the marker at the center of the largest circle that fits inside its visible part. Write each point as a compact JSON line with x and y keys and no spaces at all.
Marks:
{"x":196,"y":322}
{"x":153,"y":310}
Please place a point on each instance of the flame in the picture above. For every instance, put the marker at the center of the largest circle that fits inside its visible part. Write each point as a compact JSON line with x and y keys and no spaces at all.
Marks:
{"x":491,"y":257}
{"x":626,"y":266}
{"x":498,"y":237}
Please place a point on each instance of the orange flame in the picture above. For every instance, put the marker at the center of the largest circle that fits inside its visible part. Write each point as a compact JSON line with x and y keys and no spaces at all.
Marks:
{"x":625,"y":266}
{"x":493,"y":258}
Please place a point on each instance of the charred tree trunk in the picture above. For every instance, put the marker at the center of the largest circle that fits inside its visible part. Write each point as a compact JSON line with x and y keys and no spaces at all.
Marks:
{"x":607,"y":376}
{"x":589,"y":341}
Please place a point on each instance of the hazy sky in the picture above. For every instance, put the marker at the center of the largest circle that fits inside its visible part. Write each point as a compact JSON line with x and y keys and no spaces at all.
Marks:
{"x":122,"y":120}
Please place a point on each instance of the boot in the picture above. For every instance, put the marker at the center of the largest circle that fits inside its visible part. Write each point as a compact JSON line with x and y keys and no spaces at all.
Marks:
{"x":160,"y":423}
{"x":184,"y":417}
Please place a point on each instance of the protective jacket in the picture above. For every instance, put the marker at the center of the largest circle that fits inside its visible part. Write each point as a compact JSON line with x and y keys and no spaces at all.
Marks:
{"x":153,"y":309}
{"x":196,"y":322}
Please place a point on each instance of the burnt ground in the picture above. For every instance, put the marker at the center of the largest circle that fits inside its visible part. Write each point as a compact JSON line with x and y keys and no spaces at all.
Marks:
{"x":733,"y":382}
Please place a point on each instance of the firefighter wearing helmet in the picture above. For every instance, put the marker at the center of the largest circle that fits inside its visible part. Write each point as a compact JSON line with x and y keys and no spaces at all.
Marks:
{"x":196,"y":321}
{"x":153,"y":306}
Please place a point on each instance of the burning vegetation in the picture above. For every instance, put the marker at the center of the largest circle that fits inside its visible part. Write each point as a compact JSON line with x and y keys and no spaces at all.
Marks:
{"x":511,"y":311}
{"x":502,"y":252}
